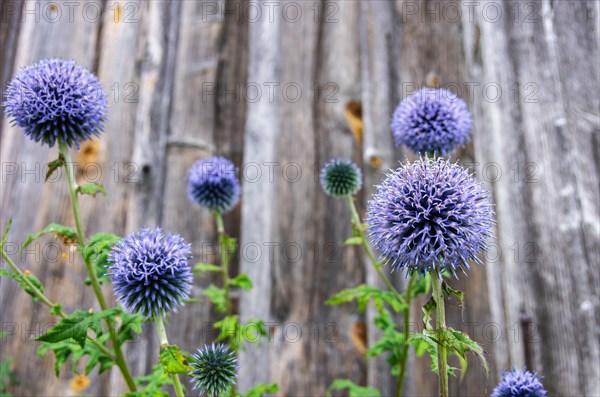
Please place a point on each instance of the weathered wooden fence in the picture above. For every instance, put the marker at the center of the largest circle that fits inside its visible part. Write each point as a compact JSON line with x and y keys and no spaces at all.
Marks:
{"x":268,"y":84}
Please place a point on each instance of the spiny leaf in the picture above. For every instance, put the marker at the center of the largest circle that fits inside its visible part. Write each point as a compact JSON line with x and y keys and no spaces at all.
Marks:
{"x":151,"y":385}
{"x":97,"y":251}
{"x":53,"y":166}
{"x":67,"y":234}
{"x":241,"y":281}
{"x":217,"y":297}
{"x":365,"y":293}
{"x":92,"y":189}
{"x":461,"y":343}
{"x":449,"y":291}
{"x":21,"y":280}
{"x":428,"y":308}
{"x":76,"y":326}
{"x":354,"y":390}
{"x":200,"y":268}
{"x":260,"y":389}
{"x":173,"y":361}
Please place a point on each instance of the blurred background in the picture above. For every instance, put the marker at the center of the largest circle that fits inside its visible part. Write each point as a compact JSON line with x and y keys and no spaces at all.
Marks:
{"x":281,"y":87}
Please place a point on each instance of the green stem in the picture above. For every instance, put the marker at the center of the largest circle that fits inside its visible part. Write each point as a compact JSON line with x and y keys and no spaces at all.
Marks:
{"x":404,"y":356}
{"x":164,"y":341}
{"x":224,"y":261}
{"x":359,"y":227}
{"x":72,"y":185}
{"x":440,"y":326}
{"x":45,"y":300}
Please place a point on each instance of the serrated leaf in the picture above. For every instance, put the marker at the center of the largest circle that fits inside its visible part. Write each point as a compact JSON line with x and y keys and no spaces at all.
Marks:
{"x":260,"y":389}
{"x":200,"y":268}
{"x":428,"y":309}
{"x":76,"y":326}
{"x":422,"y":286}
{"x":151,"y":385}
{"x":363,"y":294}
{"x":173,"y":361}
{"x":460,"y":343}
{"x":354,"y":390}
{"x":97,"y":252}
{"x":353,"y":241}
{"x":21,"y":280}
{"x":241,"y":281}
{"x":229,"y":327}
{"x":131,"y":325}
{"x":53,"y":166}
{"x":66,"y":233}
{"x":449,"y":291}
{"x":91,"y":189}
{"x":217,"y":297}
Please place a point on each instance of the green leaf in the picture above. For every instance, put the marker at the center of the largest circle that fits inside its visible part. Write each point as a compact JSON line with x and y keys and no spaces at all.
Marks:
{"x":53,"y":166}
{"x":151,"y":385}
{"x":217,"y":297}
{"x":424,"y":343}
{"x":131,"y":324}
{"x":56,"y":309}
{"x":97,"y":252}
{"x":66,"y":233}
{"x":449,"y":291}
{"x":92,"y":189}
{"x":200,"y":268}
{"x":365,"y":293}
{"x":353,"y":389}
{"x":69,"y":348}
{"x":229,"y":327}
{"x":241,"y":281}
{"x":21,"y":280}
{"x":428,"y":309}
{"x":230,"y":243}
{"x":422,"y":286}
{"x":173,"y":361}
{"x":460,"y":343}
{"x":353,"y":241}
{"x":260,"y":389}
{"x":7,"y":376}
{"x":76,"y":326}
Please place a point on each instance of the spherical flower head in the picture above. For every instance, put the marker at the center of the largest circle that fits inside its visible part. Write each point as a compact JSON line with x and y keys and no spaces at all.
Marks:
{"x":430,"y":215}
{"x":56,"y":100}
{"x":431,"y":121}
{"x":341,"y":178}
{"x":518,"y":383}
{"x":150,"y":272}
{"x":213,"y":184}
{"x":214,"y":370}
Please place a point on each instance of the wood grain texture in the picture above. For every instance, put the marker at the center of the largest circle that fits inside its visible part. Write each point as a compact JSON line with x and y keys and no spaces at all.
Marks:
{"x":182,"y":79}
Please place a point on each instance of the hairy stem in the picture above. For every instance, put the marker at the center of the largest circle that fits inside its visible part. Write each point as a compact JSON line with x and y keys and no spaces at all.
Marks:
{"x":404,"y":356}
{"x":164,"y":341}
{"x":440,"y":326}
{"x":72,"y":185}
{"x":46,"y":301}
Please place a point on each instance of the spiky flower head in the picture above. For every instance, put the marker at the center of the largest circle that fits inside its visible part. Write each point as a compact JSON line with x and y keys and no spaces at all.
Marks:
{"x":213,"y":184}
{"x":430,"y":215}
{"x":341,"y":178}
{"x":517,"y":383}
{"x":56,"y":100}
{"x":431,"y":121}
{"x":150,"y":272}
{"x":214,"y":369}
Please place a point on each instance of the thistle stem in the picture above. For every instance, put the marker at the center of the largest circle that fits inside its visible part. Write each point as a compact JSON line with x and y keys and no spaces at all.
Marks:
{"x":45,"y":300}
{"x":72,"y":185}
{"x":359,"y":227}
{"x":164,"y":341}
{"x":440,"y":327}
{"x":404,"y":356}
{"x":224,"y":261}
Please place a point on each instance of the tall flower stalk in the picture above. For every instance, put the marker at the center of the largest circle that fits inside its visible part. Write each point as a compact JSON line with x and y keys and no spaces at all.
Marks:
{"x":65,"y":153}
{"x":164,"y":343}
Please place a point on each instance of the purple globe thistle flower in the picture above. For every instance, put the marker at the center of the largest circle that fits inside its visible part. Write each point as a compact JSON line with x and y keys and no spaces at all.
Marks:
{"x":518,"y":383}
{"x":150,"y":272}
{"x":212,"y":183}
{"x":431,"y":121}
{"x":214,"y":370}
{"x":56,"y":100}
{"x":430,"y":215}
{"x":341,"y":178}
